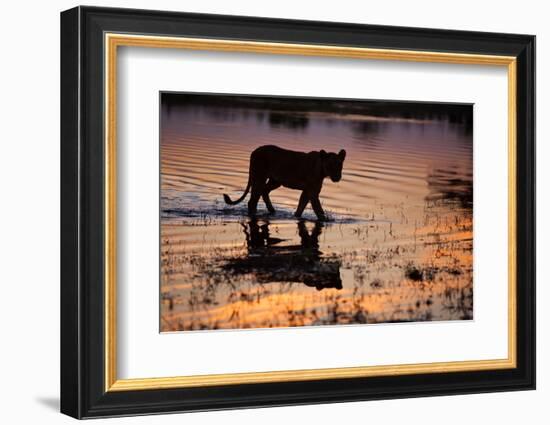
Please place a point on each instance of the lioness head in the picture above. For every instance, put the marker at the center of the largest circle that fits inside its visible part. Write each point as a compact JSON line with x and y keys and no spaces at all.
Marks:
{"x":332,"y":164}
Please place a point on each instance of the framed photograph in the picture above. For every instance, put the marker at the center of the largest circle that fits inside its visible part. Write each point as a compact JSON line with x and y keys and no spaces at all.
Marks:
{"x":261,"y":212}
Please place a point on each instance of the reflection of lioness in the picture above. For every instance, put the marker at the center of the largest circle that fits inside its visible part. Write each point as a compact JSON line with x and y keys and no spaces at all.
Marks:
{"x":271,"y":167}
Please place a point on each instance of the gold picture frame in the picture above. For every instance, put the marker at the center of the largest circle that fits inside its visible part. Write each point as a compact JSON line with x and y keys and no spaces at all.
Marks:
{"x":91,"y":40}
{"x":114,"y":41}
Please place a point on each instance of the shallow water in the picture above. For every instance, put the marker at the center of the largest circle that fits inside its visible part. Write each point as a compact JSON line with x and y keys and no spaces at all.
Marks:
{"x":398,"y":246}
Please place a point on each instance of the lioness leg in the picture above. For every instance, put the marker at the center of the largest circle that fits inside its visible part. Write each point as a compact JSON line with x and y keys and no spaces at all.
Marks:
{"x":257,"y":190}
{"x":271,"y":185}
{"x":316,"y":204}
{"x":304,"y":199}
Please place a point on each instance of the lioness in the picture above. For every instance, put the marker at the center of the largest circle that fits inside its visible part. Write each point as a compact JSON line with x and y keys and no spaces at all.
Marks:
{"x":272,"y":167}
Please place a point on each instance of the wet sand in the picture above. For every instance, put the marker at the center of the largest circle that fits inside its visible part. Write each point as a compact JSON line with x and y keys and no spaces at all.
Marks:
{"x":398,"y":246}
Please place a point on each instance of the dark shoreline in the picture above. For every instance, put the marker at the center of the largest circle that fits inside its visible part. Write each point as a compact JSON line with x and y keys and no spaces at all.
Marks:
{"x":455,"y":112}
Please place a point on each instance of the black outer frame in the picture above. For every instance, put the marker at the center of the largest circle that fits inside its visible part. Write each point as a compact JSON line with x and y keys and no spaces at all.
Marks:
{"x":82,"y":215}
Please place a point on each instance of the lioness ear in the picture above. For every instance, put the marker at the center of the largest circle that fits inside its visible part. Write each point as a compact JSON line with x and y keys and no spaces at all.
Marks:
{"x":342,"y":154}
{"x":323,"y":154}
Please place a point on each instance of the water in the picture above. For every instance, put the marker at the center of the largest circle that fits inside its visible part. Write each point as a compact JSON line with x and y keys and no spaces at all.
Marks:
{"x":398,"y":246}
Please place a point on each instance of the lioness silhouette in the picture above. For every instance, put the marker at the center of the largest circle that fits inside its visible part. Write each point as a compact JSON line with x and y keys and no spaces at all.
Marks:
{"x":272,"y":167}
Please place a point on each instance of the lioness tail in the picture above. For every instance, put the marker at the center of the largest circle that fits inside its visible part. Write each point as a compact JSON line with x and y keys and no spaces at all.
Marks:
{"x":228,"y":200}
